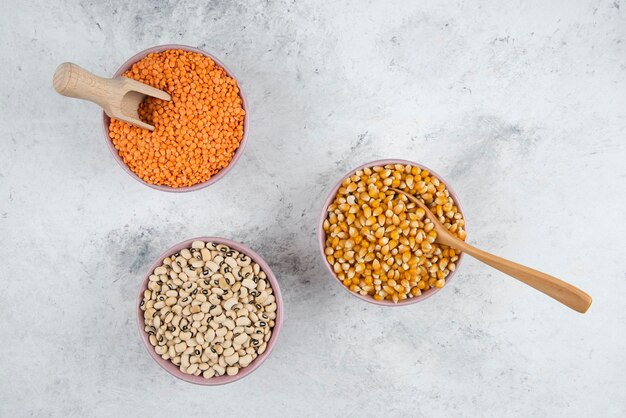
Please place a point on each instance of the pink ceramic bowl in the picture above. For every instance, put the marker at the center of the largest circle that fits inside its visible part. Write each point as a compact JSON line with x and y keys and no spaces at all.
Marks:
{"x":322,"y":235}
{"x":106,"y":120}
{"x":170,"y":367}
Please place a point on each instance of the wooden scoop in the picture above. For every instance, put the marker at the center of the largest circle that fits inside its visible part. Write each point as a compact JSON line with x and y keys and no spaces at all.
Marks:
{"x":557,"y":289}
{"x":119,"y":97}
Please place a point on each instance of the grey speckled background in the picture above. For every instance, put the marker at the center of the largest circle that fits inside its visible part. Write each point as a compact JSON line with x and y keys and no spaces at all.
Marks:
{"x":520,"y":105}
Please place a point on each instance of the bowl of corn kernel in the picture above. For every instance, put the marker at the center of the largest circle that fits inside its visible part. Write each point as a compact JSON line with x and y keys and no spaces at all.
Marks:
{"x":198,"y":136}
{"x":380,"y":246}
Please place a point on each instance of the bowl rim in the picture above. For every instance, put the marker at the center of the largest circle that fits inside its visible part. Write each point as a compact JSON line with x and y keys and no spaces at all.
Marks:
{"x":170,"y":367}
{"x":246,"y":121}
{"x":321,"y":234}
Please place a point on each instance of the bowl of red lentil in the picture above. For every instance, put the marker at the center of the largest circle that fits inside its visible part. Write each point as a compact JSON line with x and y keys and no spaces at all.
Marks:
{"x":377,"y":245}
{"x":199,"y":135}
{"x":170,"y":326}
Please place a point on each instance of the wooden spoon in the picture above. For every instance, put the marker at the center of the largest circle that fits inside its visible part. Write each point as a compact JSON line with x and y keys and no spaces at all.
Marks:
{"x":119,"y":97}
{"x":557,"y":289}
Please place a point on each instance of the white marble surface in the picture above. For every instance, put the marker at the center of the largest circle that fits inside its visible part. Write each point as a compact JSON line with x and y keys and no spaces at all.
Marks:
{"x":520,"y":105}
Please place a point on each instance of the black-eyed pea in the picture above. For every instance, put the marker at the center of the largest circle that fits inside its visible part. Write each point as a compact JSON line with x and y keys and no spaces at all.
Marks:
{"x":153,"y":341}
{"x":168,"y":317}
{"x":197,"y":245}
{"x":269,"y":300}
{"x":209,"y":335}
{"x":232,"y":359}
{"x":184,"y":360}
{"x":209,"y":373}
{"x":241,"y":339}
{"x":271,"y":308}
{"x":192,"y":368}
{"x":219,"y":370}
{"x":220,"y":332}
{"x":243,"y":321}
{"x":256,"y":269}
{"x":232,"y":370}
{"x":197,"y":263}
{"x":229,"y":323}
{"x":214,"y":299}
{"x":261,"y":297}
{"x":206,"y":254}
{"x":149,"y":313}
{"x":243,"y":260}
{"x":186,"y":311}
{"x":229,"y":303}
{"x":249,"y":284}
{"x":236,"y":287}
{"x":242,"y":312}
{"x":199,"y":316}
{"x":204,"y":366}
{"x":245,"y":360}
{"x":205,"y":307}
{"x":222,"y":361}
{"x":172,"y":351}
{"x":262,"y":348}
{"x":180,"y":347}
{"x":214,"y":325}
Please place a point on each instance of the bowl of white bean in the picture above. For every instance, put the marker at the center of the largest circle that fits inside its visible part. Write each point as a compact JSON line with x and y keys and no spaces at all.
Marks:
{"x":209,"y":311}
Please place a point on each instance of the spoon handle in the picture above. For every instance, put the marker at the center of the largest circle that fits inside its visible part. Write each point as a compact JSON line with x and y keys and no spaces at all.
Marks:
{"x":73,"y":81}
{"x":557,"y":289}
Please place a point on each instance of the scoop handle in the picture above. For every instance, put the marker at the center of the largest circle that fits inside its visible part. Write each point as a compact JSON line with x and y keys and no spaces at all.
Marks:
{"x":557,"y":289}
{"x":71,"y":80}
